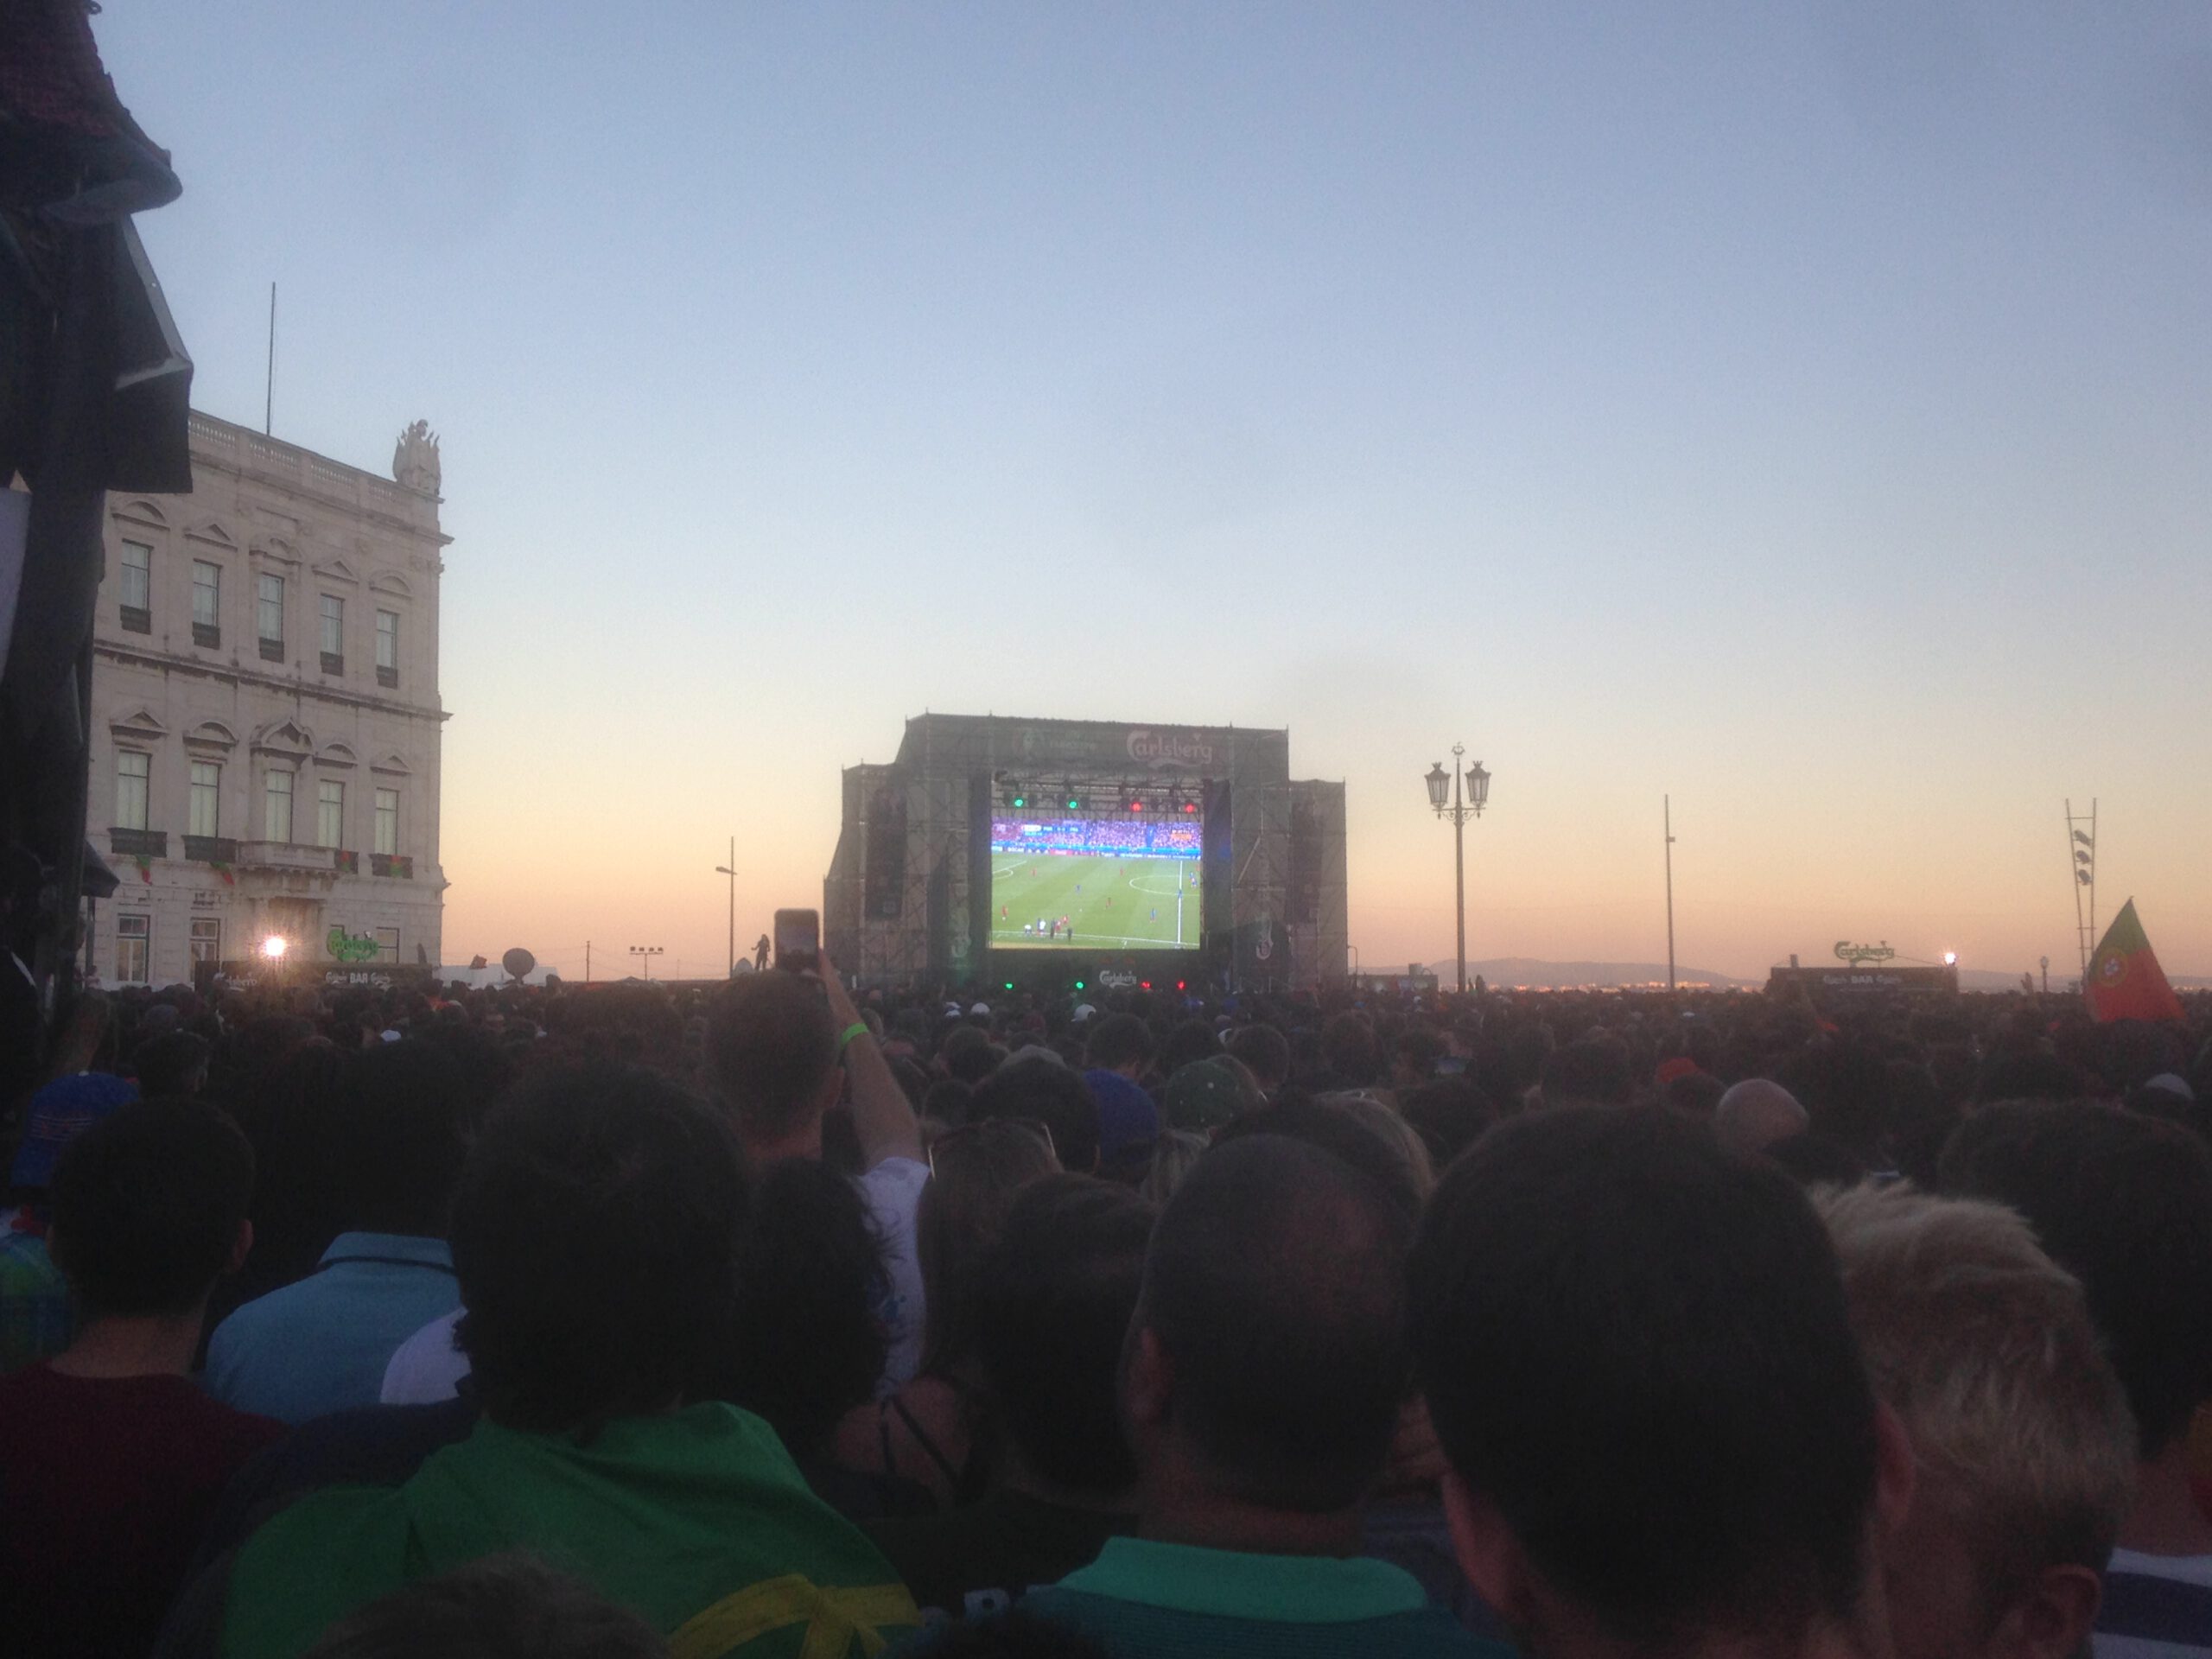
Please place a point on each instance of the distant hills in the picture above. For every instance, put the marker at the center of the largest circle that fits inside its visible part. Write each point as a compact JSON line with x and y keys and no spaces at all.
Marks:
{"x":1505,"y":971}
{"x":1502,"y":972}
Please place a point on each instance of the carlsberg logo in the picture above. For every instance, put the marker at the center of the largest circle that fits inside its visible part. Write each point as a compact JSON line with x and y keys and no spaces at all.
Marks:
{"x":1166,"y":749}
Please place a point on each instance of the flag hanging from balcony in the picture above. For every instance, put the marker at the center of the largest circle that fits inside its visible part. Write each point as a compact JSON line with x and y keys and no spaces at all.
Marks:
{"x":145,"y":867}
{"x":2125,"y":982}
{"x":230,"y":878}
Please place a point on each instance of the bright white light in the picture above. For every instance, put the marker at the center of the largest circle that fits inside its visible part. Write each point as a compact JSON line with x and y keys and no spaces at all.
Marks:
{"x":1950,"y":958}
{"x":274,"y":947}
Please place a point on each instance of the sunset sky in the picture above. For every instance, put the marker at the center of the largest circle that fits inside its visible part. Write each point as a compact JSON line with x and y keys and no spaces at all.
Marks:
{"x":1802,"y":409}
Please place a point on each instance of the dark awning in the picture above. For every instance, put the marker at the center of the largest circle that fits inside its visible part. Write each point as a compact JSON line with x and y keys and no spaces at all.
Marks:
{"x":100,"y":881}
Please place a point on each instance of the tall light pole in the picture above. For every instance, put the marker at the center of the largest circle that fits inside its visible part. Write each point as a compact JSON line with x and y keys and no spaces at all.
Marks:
{"x":1445,"y":797}
{"x":1667,"y":809}
{"x":730,"y":870}
{"x":645,"y":953}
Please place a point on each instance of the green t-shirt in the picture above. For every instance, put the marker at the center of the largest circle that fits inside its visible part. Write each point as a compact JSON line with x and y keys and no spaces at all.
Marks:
{"x":1143,"y":1600}
{"x":697,"y":1521}
{"x":970,"y":1562}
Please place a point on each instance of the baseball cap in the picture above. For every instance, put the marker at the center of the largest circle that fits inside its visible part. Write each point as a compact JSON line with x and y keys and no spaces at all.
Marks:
{"x":1083,"y":1012}
{"x":1207,"y":1094}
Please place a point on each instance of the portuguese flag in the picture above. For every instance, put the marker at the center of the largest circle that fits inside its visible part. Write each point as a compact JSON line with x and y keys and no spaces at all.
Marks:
{"x":2125,"y":982}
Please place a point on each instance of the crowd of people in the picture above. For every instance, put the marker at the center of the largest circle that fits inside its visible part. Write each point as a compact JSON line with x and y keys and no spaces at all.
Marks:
{"x":789,"y":1321}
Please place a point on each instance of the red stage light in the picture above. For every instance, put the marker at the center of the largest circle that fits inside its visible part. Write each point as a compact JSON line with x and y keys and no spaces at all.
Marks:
{"x":1178,"y":984}
{"x":1146,"y":985}
{"x":1190,"y":806}
{"x":1137,"y":806}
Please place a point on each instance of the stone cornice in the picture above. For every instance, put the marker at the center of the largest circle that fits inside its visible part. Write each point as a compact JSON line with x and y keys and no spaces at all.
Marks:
{"x":223,"y":447}
{"x":234,"y":674}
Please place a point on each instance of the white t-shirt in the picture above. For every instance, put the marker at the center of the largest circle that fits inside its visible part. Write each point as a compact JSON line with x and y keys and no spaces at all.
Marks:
{"x":894,"y":1190}
{"x":2155,"y":1607}
{"x":426,"y":1368}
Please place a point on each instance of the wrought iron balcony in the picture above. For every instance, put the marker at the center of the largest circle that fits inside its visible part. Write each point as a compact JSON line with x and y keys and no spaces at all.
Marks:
{"x":212,"y":849}
{"x":138,"y":843}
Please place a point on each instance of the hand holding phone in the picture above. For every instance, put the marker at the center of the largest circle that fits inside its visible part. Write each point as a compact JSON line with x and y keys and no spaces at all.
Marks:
{"x":799,"y":940}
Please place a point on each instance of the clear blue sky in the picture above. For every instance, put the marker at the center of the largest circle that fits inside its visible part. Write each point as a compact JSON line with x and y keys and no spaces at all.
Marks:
{"x":1805,"y":409}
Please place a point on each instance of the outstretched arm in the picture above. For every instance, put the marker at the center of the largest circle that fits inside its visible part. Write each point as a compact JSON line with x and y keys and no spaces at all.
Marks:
{"x":880,"y":1112}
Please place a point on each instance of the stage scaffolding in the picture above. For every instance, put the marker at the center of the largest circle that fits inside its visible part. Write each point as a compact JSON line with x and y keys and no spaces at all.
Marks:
{"x":906,"y":887}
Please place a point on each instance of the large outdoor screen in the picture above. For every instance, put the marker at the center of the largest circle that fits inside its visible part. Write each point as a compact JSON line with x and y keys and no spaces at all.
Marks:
{"x":1094,"y":884}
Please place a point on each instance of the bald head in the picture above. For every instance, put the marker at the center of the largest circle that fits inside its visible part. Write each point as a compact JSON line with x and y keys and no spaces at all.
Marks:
{"x":1754,"y":1114}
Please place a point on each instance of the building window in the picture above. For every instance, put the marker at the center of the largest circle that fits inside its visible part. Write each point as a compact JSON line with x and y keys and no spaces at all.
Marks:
{"x":137,"y":609}
{"x":333,"y":635}
{"x":132,"y":771}
{"x":134,"y":940}
{"x":276,"y":806}
{"x":207,"y":940}
{"x":330,"y":814}
{"x":268,"y":616}
{"x":387,"y":822}
{"x":387,"y":944}
{"x":206,"y":603}
{"x":207,"y":798}
{"x":387,"y":647}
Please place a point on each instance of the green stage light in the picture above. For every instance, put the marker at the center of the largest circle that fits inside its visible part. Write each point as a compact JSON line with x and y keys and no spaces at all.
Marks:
{"x":1078,"y":984}
{"x":1009,"y":984}
{"x":1019,"y":801}
{"x":1073,"y":801}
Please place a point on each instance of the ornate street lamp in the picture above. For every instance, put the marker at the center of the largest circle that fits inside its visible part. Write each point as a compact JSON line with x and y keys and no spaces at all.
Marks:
{"x":1447,"y":800}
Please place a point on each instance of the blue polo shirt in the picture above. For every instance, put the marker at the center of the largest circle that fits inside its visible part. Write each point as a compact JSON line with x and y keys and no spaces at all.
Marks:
{"x":1177,"y":1601}
{"x":321,"y":1345}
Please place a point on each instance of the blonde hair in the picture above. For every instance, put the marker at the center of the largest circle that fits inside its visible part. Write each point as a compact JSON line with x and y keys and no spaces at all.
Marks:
{"x":1985,"y":1348}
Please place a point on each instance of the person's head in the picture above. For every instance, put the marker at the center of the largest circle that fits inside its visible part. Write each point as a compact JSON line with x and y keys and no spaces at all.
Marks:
{"x":1413,"y":1057}
{"x":1638,"y":1358}
{"x":1985,"y":1350}
{"x":1055,"y":1097}
{"x":1263,"y":1051}
{"x":1348,"y":1048}
{"x":509,"y":1606}
{"x":1756,"y":1113}
{"x":1588,"y":1074}
{"x":1266,"y":1361}
{"x":1208,"y":1095}
{"x":772,"y":1049}
{"x":149,"y":1209}
{"x":1174,"y":1155}
{"x":1362,"y":1133}
{"x":1844,"y":1088}
{"x":1191,"y":1041}
{"x":2016,"y":1074}
{"x":1449,"y":1115}
{"x":2124,"y":1202}
{"x":595,"y":1237}
{"x":811,"y":1273}
{"x":975,"y":1176}
{"x":1119,"y":1042}
{"x":405,"y":1115}
{"x":173,"y":1064}
{"x":1815,"y":1161}
{"x":1052,"y":1302}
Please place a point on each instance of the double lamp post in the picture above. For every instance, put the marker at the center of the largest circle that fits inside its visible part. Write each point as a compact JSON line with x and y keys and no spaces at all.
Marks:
{"x":1445,"y":797}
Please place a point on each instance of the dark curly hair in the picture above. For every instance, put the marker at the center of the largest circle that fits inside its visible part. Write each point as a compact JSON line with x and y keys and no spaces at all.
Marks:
{"x":810,"y":1272}
{"x":595,"y":1236}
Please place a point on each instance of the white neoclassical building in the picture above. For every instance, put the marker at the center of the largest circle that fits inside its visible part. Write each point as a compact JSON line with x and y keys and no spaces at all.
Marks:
{"x":265,"y":713}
